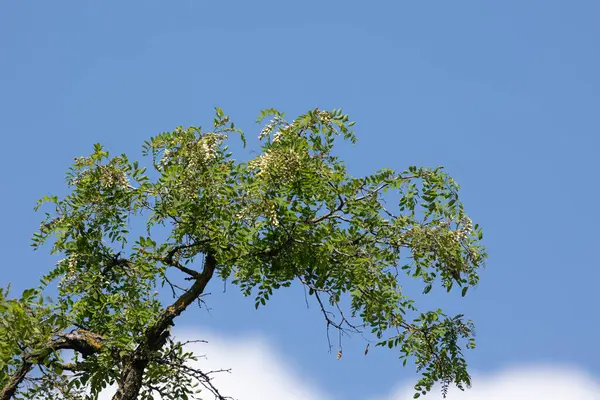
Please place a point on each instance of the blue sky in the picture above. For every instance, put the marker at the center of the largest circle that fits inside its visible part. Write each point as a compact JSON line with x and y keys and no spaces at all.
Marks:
{"x":505,"y":95}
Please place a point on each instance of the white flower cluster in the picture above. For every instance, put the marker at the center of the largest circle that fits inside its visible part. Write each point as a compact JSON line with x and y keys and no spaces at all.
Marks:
{"x":198,"y":154}
{"x":208,"y":150}
{"x":204,"y":152}
{"x":277,"y":136}
{"x":276,"y":121}
{"x":209,"y":146}
{"x":467,"y":224}
{"x":272,"y":215}
{"x":324,"y":116}
{"x":466,"y":227}
{"x":281,"y":165}
{"x":111,"y":177}
{"x":164,"y":159}
{"x":70,"y":275}
{"x":261,"y":163}
{"x":77,"y":178}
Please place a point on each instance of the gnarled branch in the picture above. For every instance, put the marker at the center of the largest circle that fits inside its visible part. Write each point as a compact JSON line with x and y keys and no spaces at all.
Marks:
{"x":81,"y":341}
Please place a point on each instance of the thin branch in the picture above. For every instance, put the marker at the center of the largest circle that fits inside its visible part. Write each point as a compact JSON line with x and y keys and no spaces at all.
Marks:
{"x":372,"y":192}
{"x":328,"y":214}
{"x":170,"y":261}
{"x":172,"y":285}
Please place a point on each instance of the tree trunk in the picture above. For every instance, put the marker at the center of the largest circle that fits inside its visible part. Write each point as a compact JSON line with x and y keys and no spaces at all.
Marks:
{"x":132,"y":374}
{"x":131,"y":380}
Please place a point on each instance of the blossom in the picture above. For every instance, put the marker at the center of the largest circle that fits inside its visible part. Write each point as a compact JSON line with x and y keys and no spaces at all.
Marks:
{"x":272,"y":215}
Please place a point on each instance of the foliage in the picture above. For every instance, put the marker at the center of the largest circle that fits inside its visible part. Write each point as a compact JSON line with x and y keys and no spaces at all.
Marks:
{"x":291,"y":214}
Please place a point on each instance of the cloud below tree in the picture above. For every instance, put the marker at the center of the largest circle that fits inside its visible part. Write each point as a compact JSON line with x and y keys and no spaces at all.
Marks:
{"x":259,"y":372}
{"x":532,"y":382}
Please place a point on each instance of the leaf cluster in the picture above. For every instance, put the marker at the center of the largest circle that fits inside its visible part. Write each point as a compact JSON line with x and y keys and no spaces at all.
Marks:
{"x":293,"y":213}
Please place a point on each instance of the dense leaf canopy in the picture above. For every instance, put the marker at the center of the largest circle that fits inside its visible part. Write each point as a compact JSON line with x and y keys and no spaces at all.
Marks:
{"x":291,"y":214}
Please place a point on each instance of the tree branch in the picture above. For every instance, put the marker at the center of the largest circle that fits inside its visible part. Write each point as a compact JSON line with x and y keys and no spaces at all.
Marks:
{"x":170,"y":260}
{"x":82,"y":341}
{"x":132,"y":372}
{"x":15,"y":380}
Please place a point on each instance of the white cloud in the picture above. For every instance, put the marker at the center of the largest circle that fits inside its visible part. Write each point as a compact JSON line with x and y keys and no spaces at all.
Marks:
{"x":534,"y":382}
{"x":260,"y":372}
{"x":257,"y":371}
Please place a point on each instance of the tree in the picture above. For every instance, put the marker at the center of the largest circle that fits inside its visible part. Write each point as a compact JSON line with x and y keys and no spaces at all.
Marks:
{"x":291,"y":214}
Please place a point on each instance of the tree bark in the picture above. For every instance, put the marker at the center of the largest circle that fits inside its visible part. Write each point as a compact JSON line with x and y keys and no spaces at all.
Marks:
{"x":84,"y":342}
{"x":132,"y":374}
{"x":15,"y":380}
